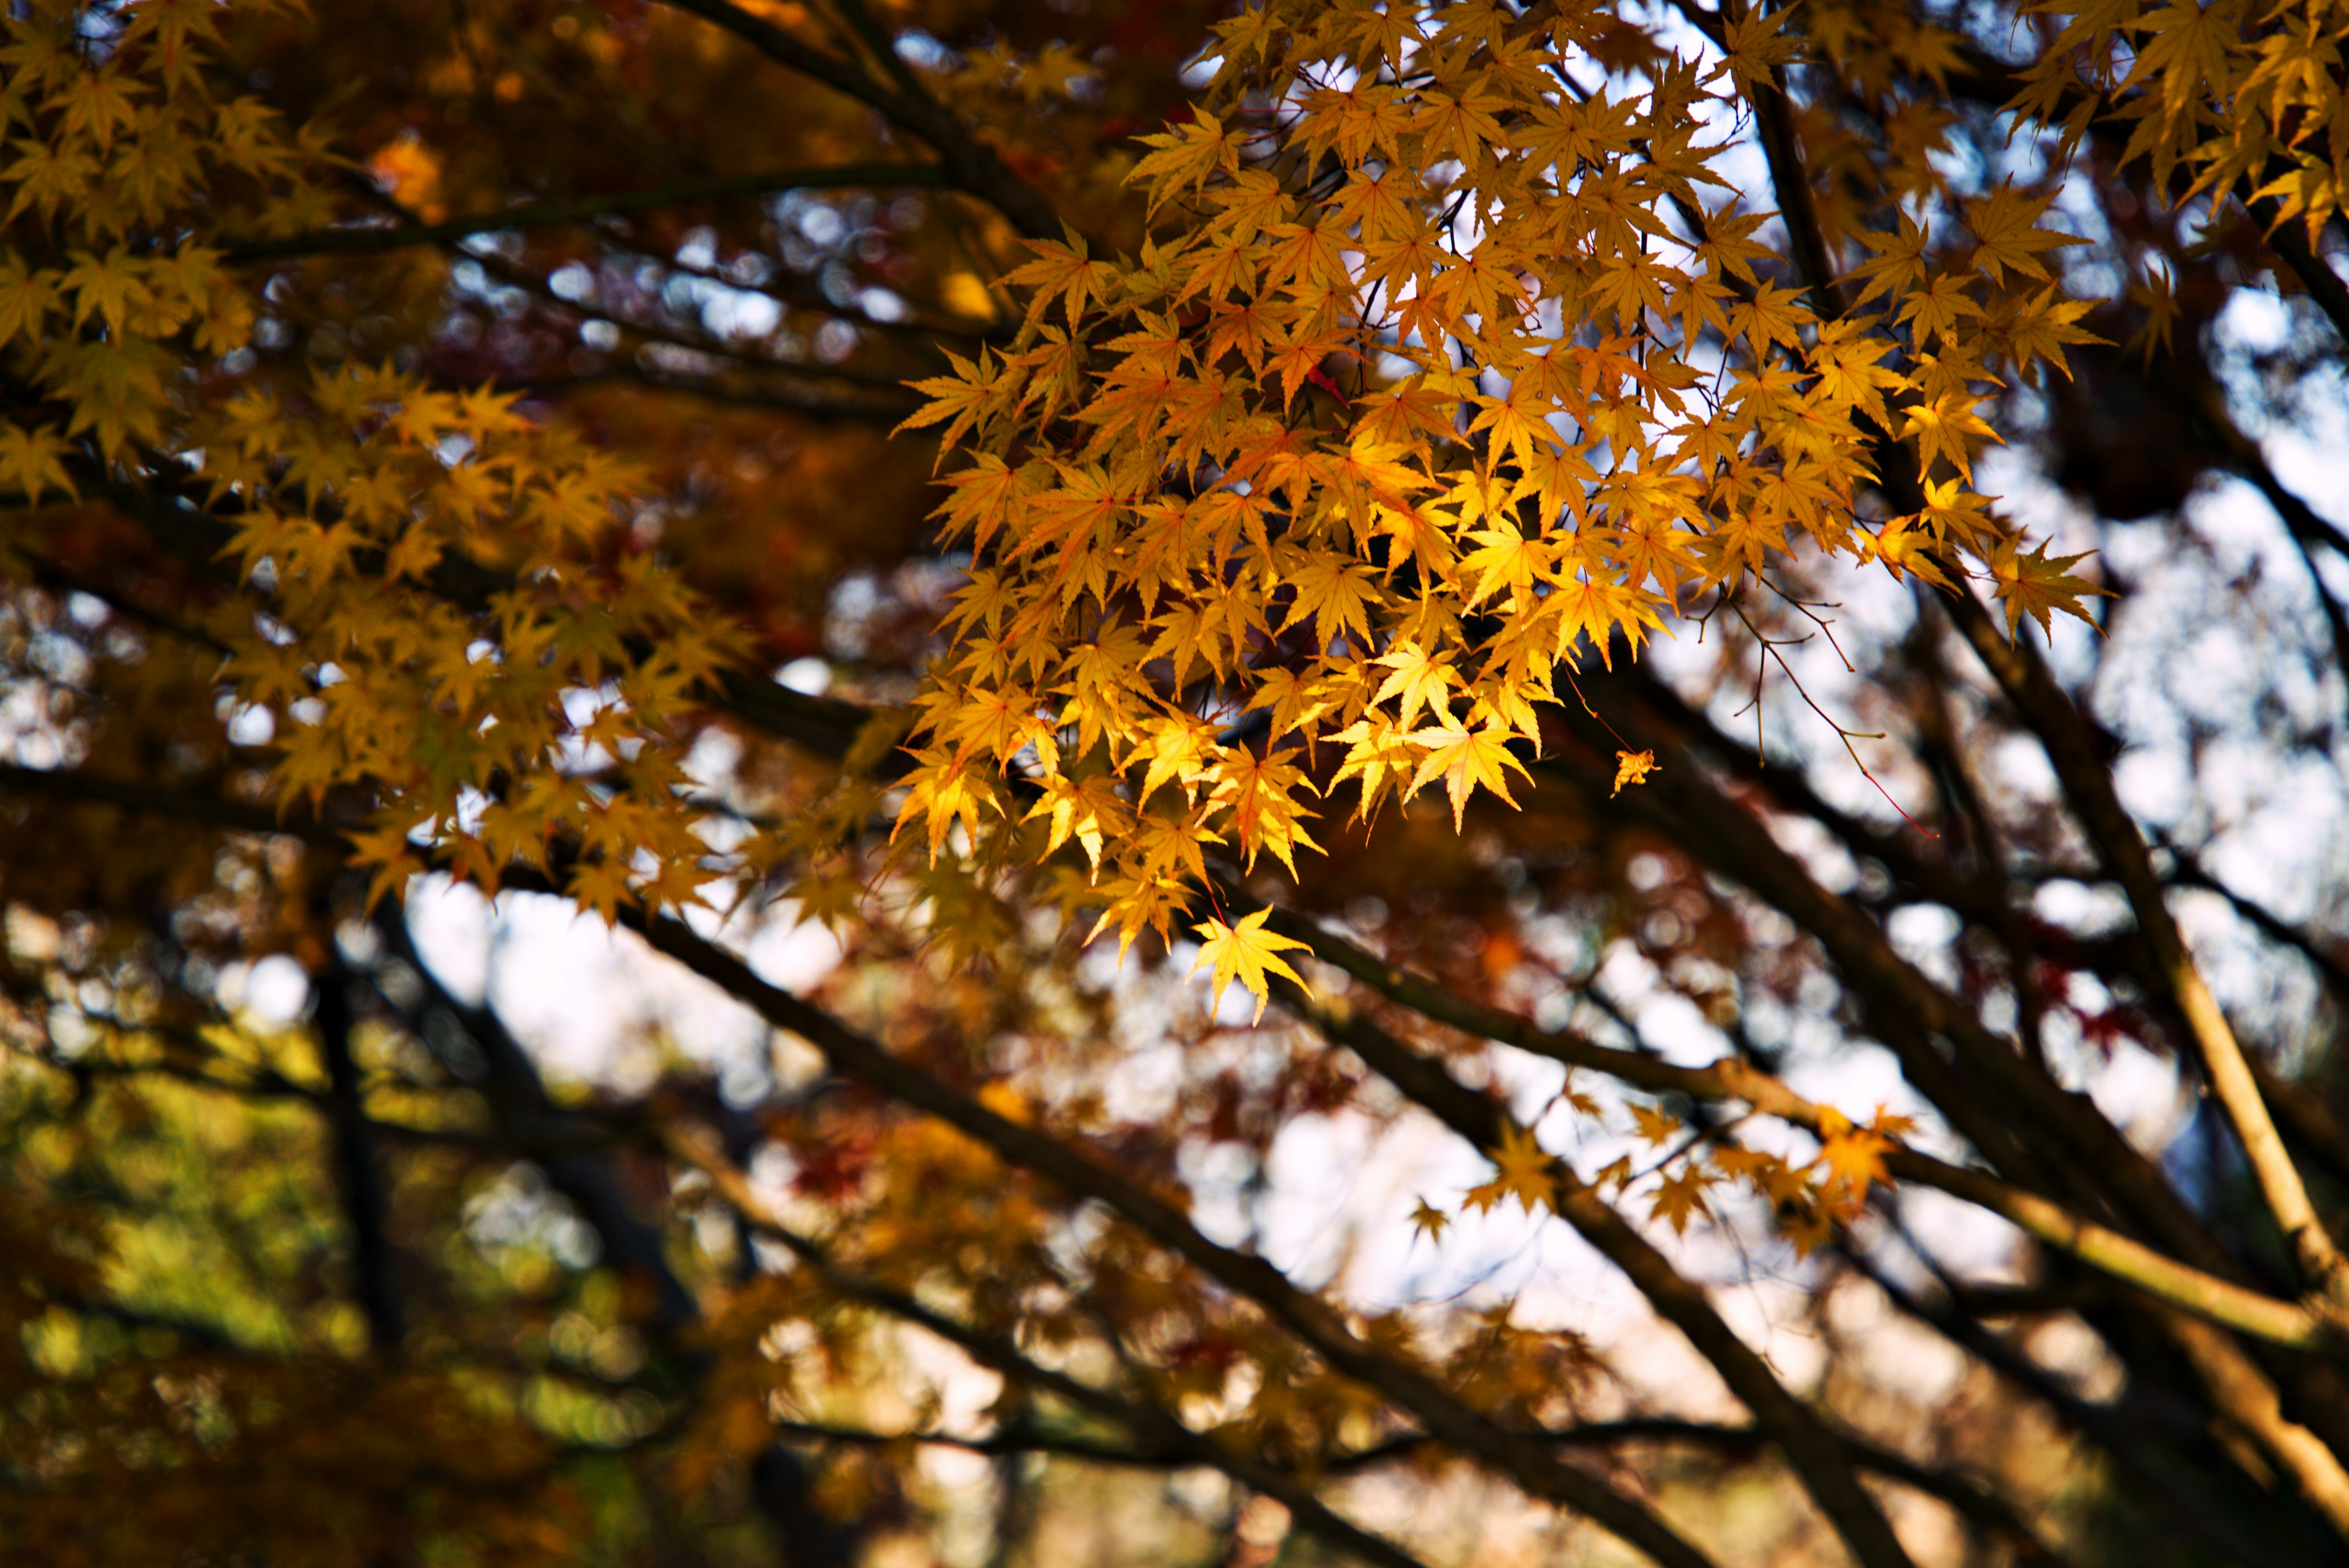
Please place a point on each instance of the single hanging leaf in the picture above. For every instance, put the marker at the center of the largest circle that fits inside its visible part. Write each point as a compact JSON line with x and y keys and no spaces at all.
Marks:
{"x":1633,"y":768}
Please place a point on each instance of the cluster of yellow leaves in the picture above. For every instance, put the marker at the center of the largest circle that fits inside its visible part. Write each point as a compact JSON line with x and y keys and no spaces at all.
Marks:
{"x":113,"y":143}
{"x":443,"y":619}
{"x":1449,"y":364}
{"x":1808,"y":1197}
{"x":461,"y":646}
{"x":2245,"y":99}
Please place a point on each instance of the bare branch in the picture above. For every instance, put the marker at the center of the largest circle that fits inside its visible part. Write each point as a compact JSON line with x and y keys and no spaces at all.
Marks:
{"x":2087,"y":785}
{"x":699,"y":1149}
{"x":372,"y":240}
{"x":971,"y":163}
{"x":1437,"y":1406}
{"x":1815,"y":1452}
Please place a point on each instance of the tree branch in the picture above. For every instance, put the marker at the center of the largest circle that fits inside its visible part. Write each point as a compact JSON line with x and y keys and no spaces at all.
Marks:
{"x":853,"y":1055}
{"x":1816,"y":1453}
{"x":1975,"y":1501}
{"x":2087,"y":785}
{"x":2220,"y":1301}
{"x":1159,"y":1431}
{"x":126,"y":795}
{"x":970,"y":162}
{"x":2242,"y":1392}
{"x":1905,"y":1007}
{"x":376,"y":240}
{"x":357,"y":1170}
{"x":562,"y":1143}
{"x":2289,"y":1323}
{"x":2224,"y":1515}
{"x":1967,"y":1497}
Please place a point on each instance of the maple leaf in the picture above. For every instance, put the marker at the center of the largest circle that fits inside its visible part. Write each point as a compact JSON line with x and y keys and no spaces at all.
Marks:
{"x":1899,"y":261}
{"x":1265,"y":813}
{"x":1770,"y":316}
{"x":1754,"y":45}
{"x":33,"y":460}
{"x":26,"y":297}
{"x":47,"y":176}
{"x":962,"y":398}
{"x":1485,"y":1198}
{"x":2036,"y":584}
{"x":1462,"y":123}
{"x":1426,"y":1220}
{"x":1420,"y":679}
{"x":386,"y":846}
{"x":1466,"y":759}
{"x":1367,"y":118}
{"x":1808,"y":1225}
{"x":1903,"y":545}
{"x":1088,"y":810}
{"x":1527,"y":1172}
{"x":1247,"y":952}
{"x":1938,"y":311}
{"x":2005,"y":223}
{"x":1680,"y":1197}
{"x":943,"y":795}
{"x":1065,"y":270}
{"x":1386,"y":33}
{"x":1633,"y":768}
{"x":1769,"y":1175}
{"x":1372,"y":472}
{"x":1657,"y":1126}
{"x":1337,"y":593}
{"x":1296,"y":701}
{"x":1954,"y":514}
{"x":1506,"y":558}
{"x":113,"y":286}
{"x":1854,"y":1160}
{"x":1184,"y":158}
{"x":1377,"y":746}
{"x":2039,"y":330}
{"x":1941,"y":428}
{"x":1575,"y":1099}
{"x":602,"y":886}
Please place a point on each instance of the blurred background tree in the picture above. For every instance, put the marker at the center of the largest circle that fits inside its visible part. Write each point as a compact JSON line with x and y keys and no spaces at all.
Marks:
{"x":1870,"y":1092}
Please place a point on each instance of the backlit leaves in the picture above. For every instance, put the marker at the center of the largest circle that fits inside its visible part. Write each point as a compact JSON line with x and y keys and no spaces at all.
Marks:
{"x":443,"y":627}
{"x":1374,"y":450}
{"x":1247,"y":952}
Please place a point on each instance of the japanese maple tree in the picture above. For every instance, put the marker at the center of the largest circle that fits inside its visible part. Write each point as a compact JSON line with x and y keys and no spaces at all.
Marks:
{"x":1725,"y":613}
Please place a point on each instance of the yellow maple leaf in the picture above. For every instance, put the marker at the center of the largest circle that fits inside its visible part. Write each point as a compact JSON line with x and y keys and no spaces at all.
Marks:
{"x":1657,"y":1126}
{"x":1680,"y":1197}
{"x":2034,"y":583}
{"x":1633,"y":768}
{"x":1753,"y":47}
{"x":1419,"y":677}
{"x":1854,"y":1156}
{"x":1466,"y":758}
{"x":1528,"y":1171}
{"x":1247,"y":951}
{"x":32,"y":462}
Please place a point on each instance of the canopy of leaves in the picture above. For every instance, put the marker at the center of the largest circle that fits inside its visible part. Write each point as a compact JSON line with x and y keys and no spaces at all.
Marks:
{"x":862,"y":501}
